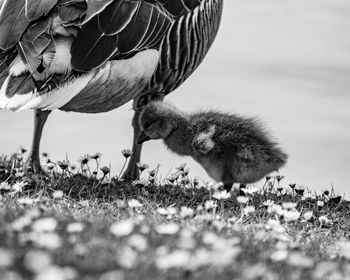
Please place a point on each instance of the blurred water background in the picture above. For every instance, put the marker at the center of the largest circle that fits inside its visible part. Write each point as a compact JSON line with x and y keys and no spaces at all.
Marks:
{"x":285,"y":61}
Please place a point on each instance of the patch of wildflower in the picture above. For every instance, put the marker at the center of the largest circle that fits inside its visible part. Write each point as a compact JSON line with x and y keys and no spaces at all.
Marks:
{"x":268,"y":203}
{"x":252,"y":190}
{"x":175,"y":259}
{"x":141,"y":182}
{"x":57,"y":273}
{"x":142,"y":166}
{"x":196,"y":240}
{"x":223,"y":195}
{"x":112,"y":275}
{"x":57,"y":195}
{"x":186,"y":212}
{"x":168,"y":212}
{"x":64,"y":164}
{"x":153,"y":173}
{"x":308,"y":197}
{"x":46,"y":240}
{"x":320,"y":204}
{"x":324,"y":220}
{"x":291,"y":215}
{"x":22,"y":222}
{"x":213,"y":187}
{"x":186,"y":183}
{"x":127,"y":257}
{"x":168,"y":229}
{"x":7,"y":258}
{"x":187,"y":239}
{"x":138,"y":242}
{"x":219,"y":224}
{"x":96,"y":156}
{"x":289,"y":205}
{"x":221,"y":254}
{"x":134,"y":203}
{"x":279,"y":178}
{"x":300,"y":190}
{"x":105,"y":170}
{"x":195,"y":182}
{"x":242,"y":199}
{"x":249,"y":210}
{"x":182,"y":167}
{"x":210,"y":204}
{"x":344,"y":249}
{"x":122,"y":228}
{"x":84,"y":160}
{"x":275,"y":226}
{"x":25,"y":201}
{"x":297,"y":260}
{"x":75,"y":227}
{"x":44,"y":225}
{"x":275,"y":209}
{"x":5,"y":187}
{"x":18,"y":187}
{"x":292,"y":185}
{"x":279,"y":255}
{"x":37,"y":260}
{"x":84,"y":203}
{"x":308,"y":215}
{"x":126,"y":153}
{"x":173,"y":177}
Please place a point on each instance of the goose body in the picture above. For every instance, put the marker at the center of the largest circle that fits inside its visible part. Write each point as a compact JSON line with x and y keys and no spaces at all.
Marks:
{"x":94,"y":56}
{"x":232,"y":149}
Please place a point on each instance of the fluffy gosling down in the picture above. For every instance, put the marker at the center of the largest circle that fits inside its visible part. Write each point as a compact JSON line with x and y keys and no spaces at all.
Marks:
{"x":231,"y":149}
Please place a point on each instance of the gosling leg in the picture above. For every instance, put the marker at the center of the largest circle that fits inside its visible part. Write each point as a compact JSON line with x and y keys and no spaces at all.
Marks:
{"x":241,"y":191}
{"x":228,"y":186}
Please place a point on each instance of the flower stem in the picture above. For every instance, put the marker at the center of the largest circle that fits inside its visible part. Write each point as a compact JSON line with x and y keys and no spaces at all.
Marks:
{"x":121,"y":171}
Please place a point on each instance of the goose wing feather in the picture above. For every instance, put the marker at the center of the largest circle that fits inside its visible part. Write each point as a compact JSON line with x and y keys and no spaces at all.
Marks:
{"x":46,"y":39}
{"x":34,"y":9}
{"x":120,"y":30}
{"x":13,"y":22}
{"x":5,"y":61}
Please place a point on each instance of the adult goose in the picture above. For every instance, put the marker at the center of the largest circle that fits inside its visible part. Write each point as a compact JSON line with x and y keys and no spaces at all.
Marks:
{"x":92,"y":56}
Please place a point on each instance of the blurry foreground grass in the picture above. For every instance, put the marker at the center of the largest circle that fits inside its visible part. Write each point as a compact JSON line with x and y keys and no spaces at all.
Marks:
{"x":82,"y":223}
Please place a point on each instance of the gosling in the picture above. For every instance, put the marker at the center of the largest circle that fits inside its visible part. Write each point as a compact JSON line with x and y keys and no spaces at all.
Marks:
{"x":231,"y":149}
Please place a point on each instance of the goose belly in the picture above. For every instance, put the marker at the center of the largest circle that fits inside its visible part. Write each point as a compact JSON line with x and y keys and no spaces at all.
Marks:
{"x":100,"y":90}
{"x":116,"y":83}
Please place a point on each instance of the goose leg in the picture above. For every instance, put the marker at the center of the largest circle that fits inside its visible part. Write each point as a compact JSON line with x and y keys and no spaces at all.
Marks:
{"x":132,"y":172}
{"x":40,"y":118}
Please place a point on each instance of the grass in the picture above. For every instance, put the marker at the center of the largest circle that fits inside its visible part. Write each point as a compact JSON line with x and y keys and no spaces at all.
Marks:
{"x":83,"y":223}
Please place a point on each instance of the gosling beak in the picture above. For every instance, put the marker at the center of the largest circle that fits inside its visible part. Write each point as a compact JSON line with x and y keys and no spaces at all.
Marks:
{"x":142,"y":138}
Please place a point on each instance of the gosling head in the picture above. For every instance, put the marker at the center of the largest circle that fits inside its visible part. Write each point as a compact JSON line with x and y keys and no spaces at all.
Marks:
{"x":157,"y":121}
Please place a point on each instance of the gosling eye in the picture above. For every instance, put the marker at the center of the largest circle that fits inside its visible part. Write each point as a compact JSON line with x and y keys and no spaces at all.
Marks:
{"x":147,"y":125}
